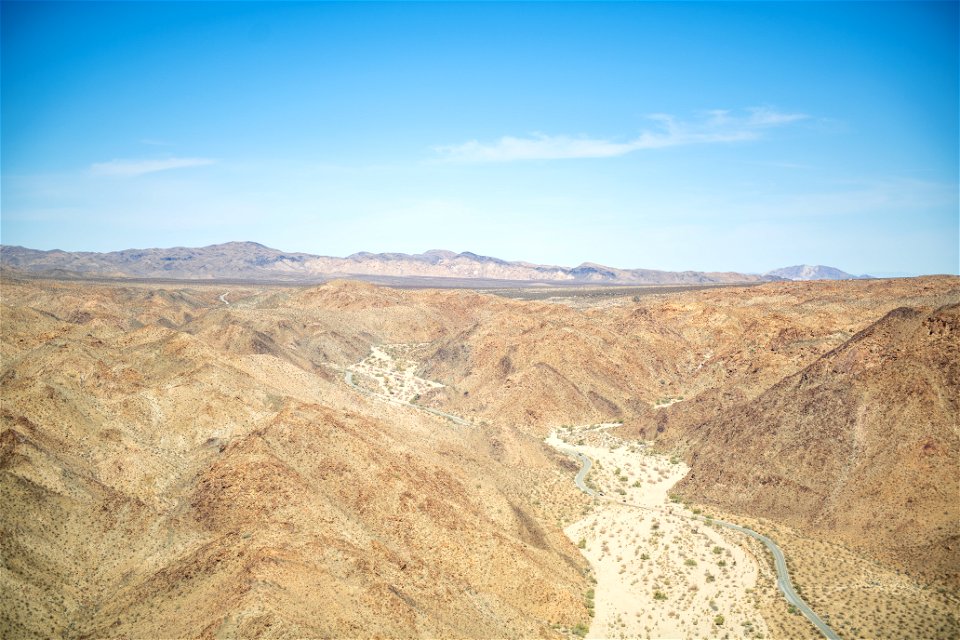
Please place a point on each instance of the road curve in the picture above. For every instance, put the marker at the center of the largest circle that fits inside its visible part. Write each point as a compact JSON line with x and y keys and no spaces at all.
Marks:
{"x":348,"y":378}
{"x":780,"y":562}
{"x":585,"y":464}
{"x":582,"y":474}
{"x":783,"y":578}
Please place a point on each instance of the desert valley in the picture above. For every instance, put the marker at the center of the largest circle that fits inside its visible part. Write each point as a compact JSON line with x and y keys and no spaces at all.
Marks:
{"x":350,"y":460}
{"x":492,"y":320}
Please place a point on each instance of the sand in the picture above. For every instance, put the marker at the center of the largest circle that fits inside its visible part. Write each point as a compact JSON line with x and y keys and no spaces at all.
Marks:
{"x":391,"y":374}
{"x":660,"y":574}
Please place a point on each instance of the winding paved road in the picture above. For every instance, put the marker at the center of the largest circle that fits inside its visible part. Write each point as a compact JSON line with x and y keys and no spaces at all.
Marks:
{"x":348,"y":378}
{"x":582,"y":474}
{"x":585,"y":464}
{"x":783,"y":575}
{"x":783,"y":578}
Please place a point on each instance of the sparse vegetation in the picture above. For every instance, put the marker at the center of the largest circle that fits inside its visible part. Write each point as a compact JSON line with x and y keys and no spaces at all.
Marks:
{"x":183,"y":454}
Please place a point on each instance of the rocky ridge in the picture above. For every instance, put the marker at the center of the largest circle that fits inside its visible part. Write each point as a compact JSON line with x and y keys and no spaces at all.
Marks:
{"x":253,"y":261}
{"x":186,"y":460}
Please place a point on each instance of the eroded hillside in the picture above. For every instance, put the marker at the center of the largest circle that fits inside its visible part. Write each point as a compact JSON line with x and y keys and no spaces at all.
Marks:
{"x":862,"y":443}
{"x":174,"y":466}
{"x":189,"y":460}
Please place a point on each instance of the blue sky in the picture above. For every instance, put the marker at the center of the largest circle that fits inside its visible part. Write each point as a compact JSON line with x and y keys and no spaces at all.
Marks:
{"x":718,"y":136}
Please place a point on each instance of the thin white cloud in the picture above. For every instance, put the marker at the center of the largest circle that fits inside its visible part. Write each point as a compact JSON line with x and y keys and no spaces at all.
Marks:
{"x":767,"y":117}
{"x":713,"y":127}
{"x":131,"y":168}
{"x":153,"y":142}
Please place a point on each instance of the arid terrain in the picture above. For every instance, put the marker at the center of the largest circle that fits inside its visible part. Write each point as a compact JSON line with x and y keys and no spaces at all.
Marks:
{"x":437,"y":268}
{"x":193,"y":460}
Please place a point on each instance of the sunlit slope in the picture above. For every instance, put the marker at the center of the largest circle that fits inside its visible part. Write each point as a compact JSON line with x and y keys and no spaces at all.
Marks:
{"x":862,"y":443}
{"x":177,"y":467}
{"x":187,"y":460}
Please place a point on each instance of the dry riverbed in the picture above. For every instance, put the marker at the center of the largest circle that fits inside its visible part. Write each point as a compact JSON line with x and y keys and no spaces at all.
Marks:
{"x":390,"y":372}
{"x":660,"y":574}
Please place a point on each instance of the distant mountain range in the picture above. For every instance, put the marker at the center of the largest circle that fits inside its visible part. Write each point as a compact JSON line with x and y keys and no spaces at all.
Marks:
{"x":253,"y":261}
{"x":809,"y":272}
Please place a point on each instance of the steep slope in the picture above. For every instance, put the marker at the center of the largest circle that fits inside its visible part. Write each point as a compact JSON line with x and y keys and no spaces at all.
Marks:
{"x":863,"y":444}
{"x":205,"y":474}
{"x":187,"y":460}
{"x":541,"y":365}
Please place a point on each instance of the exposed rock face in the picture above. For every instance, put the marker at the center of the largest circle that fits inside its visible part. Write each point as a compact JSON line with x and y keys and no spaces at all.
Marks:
{"x":176,"y":467}
{"x":831,"y":406}
{"x":862,"y":443}
{"x":174,"y":463}
{"x":252,"y":261}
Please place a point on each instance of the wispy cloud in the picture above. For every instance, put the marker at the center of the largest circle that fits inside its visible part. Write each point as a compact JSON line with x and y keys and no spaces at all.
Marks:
{"x":131,"y":168}
{"x":713,"y":127}
{"x":153,"y":142}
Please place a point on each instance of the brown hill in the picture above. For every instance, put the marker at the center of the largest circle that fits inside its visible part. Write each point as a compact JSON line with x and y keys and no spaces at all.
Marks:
{"x":187,"y":460}
{"x":538,"y":365}
{"x":863,"y":444}
{"x":176,"y":467}
{"x":732,"y":358}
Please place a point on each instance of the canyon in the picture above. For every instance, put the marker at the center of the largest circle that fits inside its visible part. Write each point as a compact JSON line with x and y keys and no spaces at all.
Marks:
{"x":190,"y":460}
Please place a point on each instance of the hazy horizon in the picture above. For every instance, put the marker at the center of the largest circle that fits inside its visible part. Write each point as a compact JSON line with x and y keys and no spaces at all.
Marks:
{"x":674,"y":136}
{"x":516,"y":260}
